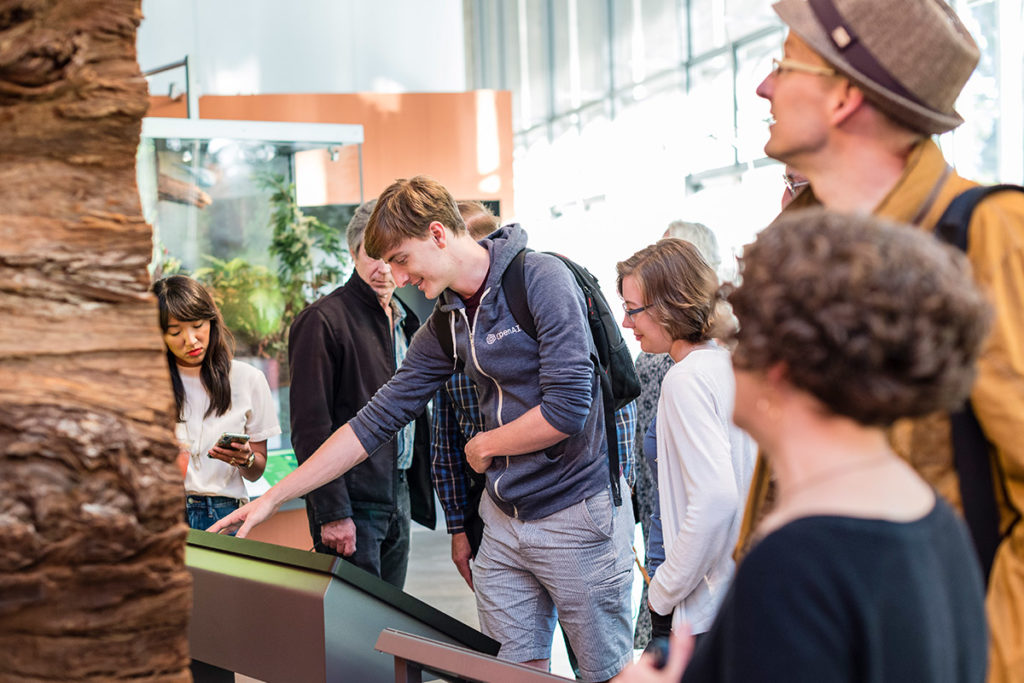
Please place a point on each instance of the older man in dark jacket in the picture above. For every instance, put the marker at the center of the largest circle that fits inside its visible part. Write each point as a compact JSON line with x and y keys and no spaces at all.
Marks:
{"x":341,"y":349}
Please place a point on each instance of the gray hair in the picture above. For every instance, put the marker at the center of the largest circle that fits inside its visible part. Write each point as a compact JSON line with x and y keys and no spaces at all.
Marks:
{"x":700,"y":236}
{"x":357,"y":226}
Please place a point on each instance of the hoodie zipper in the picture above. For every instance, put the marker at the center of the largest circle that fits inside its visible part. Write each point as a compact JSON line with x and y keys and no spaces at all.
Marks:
{"x":501,"y":395}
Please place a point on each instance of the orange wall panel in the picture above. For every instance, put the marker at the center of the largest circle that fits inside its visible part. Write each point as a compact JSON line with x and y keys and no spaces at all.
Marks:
{"x":464,"y":140}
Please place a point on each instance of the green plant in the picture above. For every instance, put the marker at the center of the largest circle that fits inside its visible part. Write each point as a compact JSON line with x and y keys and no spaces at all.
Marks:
{"x":164,"y":263}
{"x":309,"y":253}
{"x":250,"y":299}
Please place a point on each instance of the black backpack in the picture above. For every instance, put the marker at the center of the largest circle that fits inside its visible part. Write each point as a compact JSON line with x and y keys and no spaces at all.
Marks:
{"x":971,"y":449}
{"x":613,"y":363}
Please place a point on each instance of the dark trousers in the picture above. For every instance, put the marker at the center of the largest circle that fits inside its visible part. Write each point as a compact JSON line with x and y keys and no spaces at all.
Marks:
{"x":661,"y":628}
{"x":661,"y":624}
{"x":382,"y":538}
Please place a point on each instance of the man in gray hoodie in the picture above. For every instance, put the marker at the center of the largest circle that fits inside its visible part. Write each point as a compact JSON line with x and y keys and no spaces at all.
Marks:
{"x":552,"y":536}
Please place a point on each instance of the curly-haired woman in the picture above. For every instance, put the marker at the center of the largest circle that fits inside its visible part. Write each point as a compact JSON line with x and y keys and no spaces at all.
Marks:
{"x":861,"y":573}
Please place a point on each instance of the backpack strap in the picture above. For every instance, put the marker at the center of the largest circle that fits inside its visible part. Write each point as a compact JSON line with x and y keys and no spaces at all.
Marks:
{"x":445,"y":336}
{"x":954,"y":225}
{"x":973,"y":464}
{"x":971,"y":449}
{"x":513,"y":284}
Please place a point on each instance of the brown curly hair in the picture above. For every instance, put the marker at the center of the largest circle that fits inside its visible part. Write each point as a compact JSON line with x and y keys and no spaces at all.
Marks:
{"x":877,"y":321}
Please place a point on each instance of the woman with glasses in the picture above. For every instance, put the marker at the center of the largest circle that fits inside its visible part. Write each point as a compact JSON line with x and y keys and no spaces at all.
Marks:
{"x":861,"y":572}
{"x":704,"y":462}
{"x":651,"y":369}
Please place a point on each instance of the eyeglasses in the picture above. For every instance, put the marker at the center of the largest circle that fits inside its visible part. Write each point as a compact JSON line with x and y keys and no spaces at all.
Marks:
{"x":630,"y":312}
{"x":780,"y":65}
{"x":792,"y":184}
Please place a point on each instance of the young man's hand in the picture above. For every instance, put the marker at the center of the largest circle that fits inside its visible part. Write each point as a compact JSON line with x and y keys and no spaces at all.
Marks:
{"x":246,"y":517}
{"x":478,"y":454}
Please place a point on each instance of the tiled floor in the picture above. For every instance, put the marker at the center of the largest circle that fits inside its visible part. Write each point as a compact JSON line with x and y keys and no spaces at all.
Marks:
{"x":433,"y":578}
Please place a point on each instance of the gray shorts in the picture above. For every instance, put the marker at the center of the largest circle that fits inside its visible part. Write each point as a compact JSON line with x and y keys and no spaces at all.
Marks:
{"x":577,"y":560}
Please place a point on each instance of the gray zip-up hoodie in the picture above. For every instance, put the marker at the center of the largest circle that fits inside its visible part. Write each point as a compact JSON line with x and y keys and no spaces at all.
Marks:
{"x":513,"y":374}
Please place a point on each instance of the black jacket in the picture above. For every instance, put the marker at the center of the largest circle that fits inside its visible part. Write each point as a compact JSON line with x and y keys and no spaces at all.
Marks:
{"x":340,"y":352}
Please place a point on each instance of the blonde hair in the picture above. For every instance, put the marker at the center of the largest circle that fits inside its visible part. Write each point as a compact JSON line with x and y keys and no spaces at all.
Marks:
{"x":700,"y":236}
{"x":480,"y":222}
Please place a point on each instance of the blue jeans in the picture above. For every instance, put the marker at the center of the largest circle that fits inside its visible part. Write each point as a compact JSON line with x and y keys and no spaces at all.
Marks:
{"x":202,"y":511}
{"x":382,"y":538}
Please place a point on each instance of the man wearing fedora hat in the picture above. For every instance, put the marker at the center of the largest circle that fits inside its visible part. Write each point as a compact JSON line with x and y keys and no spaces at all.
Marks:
{"x":860,"y":90}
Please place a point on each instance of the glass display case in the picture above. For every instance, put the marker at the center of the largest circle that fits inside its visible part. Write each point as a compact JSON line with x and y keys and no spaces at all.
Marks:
{"x":217,"y":192}
{"x":204,"y":184}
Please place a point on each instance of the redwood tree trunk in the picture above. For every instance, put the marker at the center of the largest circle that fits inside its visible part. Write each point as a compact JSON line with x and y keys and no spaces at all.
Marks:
{"x":92,"y":578}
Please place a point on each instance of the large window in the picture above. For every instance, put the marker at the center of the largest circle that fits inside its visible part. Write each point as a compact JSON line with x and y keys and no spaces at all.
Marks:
{"x":630,"y":113}
{"x":535,"y":61}
{"x":570,"y":60}
{"x":216,"y":192}
{"x":209,"y":200}
{"x":753,"y":62}
{"x":977,"y":147}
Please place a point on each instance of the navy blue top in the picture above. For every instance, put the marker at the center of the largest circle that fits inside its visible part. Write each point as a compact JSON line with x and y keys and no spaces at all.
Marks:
{"x":845,"y":599}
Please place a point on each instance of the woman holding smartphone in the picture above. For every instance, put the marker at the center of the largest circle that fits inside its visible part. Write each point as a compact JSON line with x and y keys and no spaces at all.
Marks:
{"x":224,"y":407}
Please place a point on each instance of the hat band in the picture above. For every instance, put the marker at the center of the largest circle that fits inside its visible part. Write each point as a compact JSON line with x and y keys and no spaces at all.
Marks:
{"x":853,"y":50}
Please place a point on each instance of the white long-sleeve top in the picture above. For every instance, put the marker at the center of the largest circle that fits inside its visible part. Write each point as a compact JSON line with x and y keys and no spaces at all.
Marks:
{"x":704,"y":467}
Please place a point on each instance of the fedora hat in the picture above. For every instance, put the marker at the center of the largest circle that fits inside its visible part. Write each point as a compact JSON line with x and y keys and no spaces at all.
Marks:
{"x":910,"y":57}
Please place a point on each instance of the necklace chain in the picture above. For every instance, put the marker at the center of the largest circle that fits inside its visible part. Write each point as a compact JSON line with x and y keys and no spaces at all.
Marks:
{"x":840,"y":470}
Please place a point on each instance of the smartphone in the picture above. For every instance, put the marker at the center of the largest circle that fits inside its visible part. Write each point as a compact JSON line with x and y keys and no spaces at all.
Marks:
{"x":228,"y":438}
{"x":659,"y":648}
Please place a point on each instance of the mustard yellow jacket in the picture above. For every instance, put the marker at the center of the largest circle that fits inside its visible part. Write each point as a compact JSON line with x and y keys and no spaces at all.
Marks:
{"x":996,"y":253}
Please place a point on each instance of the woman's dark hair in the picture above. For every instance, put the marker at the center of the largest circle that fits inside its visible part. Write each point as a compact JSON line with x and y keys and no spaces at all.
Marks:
{"x":877,"y":321}
{"x":186,"y":300}
{"x":679,"y":288}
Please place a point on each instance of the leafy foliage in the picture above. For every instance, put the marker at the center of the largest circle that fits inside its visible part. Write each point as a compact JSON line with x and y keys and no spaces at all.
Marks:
{"x":258,"y":305}
{"x":309,"y":253}
{"x":165,"y":263}
{"x":250,"y":299}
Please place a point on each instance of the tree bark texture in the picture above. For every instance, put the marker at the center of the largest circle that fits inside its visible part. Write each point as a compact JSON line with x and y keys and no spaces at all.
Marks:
{"x":92,"y":578}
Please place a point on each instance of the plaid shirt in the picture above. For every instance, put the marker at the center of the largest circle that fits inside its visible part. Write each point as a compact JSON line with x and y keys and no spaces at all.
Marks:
{"x":456,"y":420}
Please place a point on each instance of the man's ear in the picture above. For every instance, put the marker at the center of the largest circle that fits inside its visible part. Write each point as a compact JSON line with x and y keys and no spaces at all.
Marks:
{"x":847,"y":100}
{"x":438,"y":233}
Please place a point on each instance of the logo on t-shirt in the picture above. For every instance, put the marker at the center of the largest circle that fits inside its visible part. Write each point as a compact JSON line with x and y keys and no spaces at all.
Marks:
{"x":493,"y":337}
